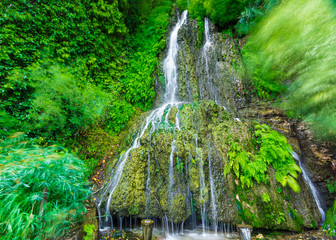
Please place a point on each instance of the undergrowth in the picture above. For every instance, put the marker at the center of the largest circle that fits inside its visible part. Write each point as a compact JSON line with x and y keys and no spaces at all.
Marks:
{"x":271,"y":149}
{"x":42,"y":190}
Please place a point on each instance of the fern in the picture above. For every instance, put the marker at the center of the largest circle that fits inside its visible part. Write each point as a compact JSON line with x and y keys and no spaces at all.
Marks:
{"x":273,"y":150}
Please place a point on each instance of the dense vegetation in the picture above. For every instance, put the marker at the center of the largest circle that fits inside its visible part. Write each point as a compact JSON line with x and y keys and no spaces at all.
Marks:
{"x":304,"y":47}
{"x":68,"y":70}
{"x":85,"y":49}
{"x":42,"y":190}
{"x":85,"y":67}
{"x":272,"y":149}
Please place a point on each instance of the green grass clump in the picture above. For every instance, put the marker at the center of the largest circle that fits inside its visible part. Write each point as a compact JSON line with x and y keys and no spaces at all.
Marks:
{"x":42,"y":190}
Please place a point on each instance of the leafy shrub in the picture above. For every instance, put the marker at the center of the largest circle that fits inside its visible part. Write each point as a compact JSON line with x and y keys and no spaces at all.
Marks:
{"x":272,"y":149}
{"x":223,"y":13}
{"x":147,"y":41}
{"x":61,"y":106}
{"x":330,"y":223}
{"x":42,"y":190}
{"x":262,"y":77}
{"x":90,"y":231}
{"x":252,"y":14}
{"x":302,"y":48}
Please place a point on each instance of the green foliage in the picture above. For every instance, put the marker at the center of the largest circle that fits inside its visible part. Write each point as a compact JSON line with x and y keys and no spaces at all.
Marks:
{"x":265,"y":81}
{"x":42,"y":190}
{"x":266,"y":198}
{"x":61,"y":106}
{"x":331,"y":185}
{"x":301,"y":48}
{"x":329,"y":225}
{"x":146,"y":43}
{"x":179,"y":165}
{"x":90,"y":230}
{"x":223,"y":13}
{"x":275,"y":150}
{"x":252,"y":14}
{"x":86,"y":36}
{"x":272,"y":149}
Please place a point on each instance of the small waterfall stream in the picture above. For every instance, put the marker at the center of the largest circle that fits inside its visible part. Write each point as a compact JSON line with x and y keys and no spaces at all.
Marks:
{"x":208,"y":52}
{"x":246,"y":233}
{"x":312,"y":187}
{"x":213,"y":196}
{"x":155,"y":117}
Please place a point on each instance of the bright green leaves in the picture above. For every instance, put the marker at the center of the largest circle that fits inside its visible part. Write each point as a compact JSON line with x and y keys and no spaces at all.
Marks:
{"x":330,"y":223}
{"x":146,"y":43}
{"x":300,"y":50}
{"x":29,"y":175}
{"x":266,"y":198}
{"x":221,"y":12}
{"x":60,"y":105}
{"x":273,"y":149}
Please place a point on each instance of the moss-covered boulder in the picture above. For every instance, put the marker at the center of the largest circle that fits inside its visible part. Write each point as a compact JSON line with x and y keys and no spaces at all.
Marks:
{"x":170,"y":174}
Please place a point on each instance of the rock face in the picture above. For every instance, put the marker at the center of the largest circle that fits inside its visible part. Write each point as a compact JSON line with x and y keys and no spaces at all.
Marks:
{"x":206,"y":73}
{"x":198,"y":152}
{"x":177,"y":172}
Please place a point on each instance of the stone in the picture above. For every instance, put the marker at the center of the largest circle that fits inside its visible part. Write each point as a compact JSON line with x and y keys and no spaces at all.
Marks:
{"x":147,"y":229}
{"x":260,"y":236}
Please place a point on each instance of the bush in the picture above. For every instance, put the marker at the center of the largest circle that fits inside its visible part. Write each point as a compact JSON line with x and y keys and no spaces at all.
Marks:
{"x":61,"y":105}
{"x":252,"y":14}
{"x":272,"y":149}
{"x":302,"y":48}
{"x":147,"y":41}
{"x":42,"y":190}
{"x":222,"y":13}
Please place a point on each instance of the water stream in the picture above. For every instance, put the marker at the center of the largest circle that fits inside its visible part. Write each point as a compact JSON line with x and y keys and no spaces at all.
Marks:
{"x":153,"y":120}
{"x":213,"y":195}
{"x":312,"y":187}
{"x":207,"y":199}
{"x":246,"y":233}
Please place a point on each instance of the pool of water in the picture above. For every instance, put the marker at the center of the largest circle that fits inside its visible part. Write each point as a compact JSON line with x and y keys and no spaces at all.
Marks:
{"x":196,"y":234}
{"x":192,"y":235}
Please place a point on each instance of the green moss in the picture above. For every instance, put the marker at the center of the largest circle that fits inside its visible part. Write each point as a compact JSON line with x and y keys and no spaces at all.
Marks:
{"x":297,"y":220}
{"x":177,"y":211}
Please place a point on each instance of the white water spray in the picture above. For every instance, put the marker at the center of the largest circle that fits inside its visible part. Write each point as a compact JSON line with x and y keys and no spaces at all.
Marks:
{"x":311,"y":185}
{"x":153,"y":120}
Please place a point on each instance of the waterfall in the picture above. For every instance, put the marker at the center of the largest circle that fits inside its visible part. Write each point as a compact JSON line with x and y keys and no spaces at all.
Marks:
{"x":171,"y":168}
{"x":170,"y":63}
{"x":213,"y":195}
{"x":246,"y":233}
{"x":153,"y":120}
{"x":207,"y":51}
{"x":202,"y":186}
{"x":311,"y":185}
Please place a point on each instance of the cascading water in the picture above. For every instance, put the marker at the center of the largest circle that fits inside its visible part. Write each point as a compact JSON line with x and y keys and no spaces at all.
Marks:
{"x":213,"y":195}
{"x":199,"y":154}
{"x":246,"y":233}
{"x":170,"y":63}
{"x":312,"y":187}
{"x":171,"y":169}
{"x":208,"y":52}
{"x":153,"y":120}
{"x":181,"y":197}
